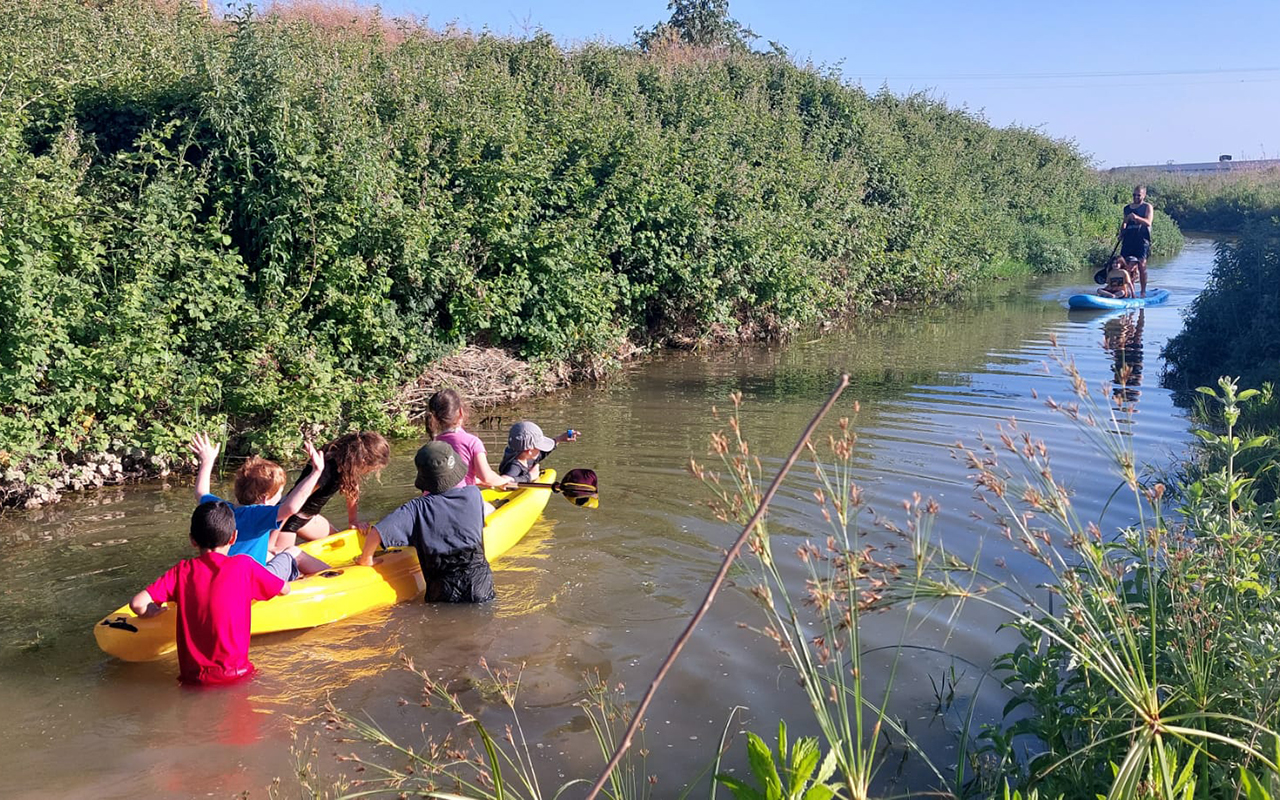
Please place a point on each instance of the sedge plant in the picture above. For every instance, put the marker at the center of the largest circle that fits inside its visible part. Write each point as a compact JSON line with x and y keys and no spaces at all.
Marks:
{"x":1148,"y":666}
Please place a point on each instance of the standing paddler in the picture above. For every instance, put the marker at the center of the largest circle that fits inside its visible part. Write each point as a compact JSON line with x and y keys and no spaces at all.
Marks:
{"x":1135,"y":233}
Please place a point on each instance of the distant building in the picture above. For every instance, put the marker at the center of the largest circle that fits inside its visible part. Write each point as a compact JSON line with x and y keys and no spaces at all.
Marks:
{"x":1223,"y":164}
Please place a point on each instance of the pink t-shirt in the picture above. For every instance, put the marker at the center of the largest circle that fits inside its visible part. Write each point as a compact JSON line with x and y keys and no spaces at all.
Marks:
{"x":213,"y":593}
{"x":466,"y":445}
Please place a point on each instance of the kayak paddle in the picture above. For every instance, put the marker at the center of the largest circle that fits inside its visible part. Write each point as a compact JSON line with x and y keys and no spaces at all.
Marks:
{"x":1101,"y":275}
{"x":578,"y":487}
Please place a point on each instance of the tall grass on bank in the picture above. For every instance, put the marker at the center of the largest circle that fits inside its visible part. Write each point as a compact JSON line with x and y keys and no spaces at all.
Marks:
{"x":1148,"y":669}
{"x":1225,"y":202}
{"x":274,"y":223}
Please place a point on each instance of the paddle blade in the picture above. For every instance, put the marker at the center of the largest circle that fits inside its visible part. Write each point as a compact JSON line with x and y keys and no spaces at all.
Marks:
{"x":580,"y":486}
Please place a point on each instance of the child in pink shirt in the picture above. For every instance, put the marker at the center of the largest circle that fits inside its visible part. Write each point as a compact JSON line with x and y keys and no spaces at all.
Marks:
{"x":445,"y":417}
{"x":214,"y":592}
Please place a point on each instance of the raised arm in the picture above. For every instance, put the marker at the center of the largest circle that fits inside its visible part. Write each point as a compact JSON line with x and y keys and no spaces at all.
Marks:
{"x":206,"y":451}
{"x":293,"y":502}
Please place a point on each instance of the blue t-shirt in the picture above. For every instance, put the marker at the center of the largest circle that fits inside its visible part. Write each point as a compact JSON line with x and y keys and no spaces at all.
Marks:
{"x":254,"y":525}
{"x":447,"y":529}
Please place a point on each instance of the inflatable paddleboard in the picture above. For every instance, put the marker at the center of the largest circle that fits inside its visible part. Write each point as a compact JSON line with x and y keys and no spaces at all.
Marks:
{"x":1154,"y":298}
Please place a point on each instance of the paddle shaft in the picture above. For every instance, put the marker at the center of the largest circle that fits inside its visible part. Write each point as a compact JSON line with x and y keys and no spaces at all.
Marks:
{"x":575,"y":488}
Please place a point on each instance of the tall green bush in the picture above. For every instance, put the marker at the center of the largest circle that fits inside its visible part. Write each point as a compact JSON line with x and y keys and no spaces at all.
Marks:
{"x":270,"y":223}
{"x":1233,"y":326}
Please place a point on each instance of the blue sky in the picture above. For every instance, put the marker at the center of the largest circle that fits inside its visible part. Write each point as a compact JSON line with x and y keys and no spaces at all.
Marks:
{"x":1130,"y":82}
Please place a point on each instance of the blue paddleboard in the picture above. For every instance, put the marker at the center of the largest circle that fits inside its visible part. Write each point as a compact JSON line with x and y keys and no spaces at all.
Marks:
{"x":1154,"y":298}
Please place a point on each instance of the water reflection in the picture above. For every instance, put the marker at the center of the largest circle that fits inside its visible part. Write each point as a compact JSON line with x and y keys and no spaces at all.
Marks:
{"x":1122,"y":338}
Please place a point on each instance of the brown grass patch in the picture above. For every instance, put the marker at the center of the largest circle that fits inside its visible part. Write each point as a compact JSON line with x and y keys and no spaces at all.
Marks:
{"x":485,"y":377}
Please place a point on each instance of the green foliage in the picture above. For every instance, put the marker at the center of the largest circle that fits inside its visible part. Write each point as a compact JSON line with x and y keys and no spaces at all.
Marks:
{"x":273,"y":224}
{"x":795,"y":772}
{"x":1233,"y":326}
{"x":1189,"y":615}
{"x":702,"y":23}
{"x":1224,"y":202}
{"x":1149,"y":668}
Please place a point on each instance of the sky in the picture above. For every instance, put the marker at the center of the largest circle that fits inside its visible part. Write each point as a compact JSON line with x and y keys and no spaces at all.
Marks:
{"x":1129,"y":82}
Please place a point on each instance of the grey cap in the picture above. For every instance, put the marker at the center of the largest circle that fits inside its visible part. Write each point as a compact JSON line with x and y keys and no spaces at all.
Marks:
{"x":440,"y":468}
{"x":526,"y":434}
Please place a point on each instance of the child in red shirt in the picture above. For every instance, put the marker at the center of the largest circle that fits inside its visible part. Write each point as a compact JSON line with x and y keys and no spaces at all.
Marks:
{"x":214,"y":592}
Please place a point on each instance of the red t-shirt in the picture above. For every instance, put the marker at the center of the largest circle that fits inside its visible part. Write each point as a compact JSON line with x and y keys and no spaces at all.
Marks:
{"x":214,"y":593}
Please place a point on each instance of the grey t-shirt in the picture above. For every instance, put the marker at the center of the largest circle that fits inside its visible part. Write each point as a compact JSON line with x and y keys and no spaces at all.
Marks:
{"x":447,"y":530}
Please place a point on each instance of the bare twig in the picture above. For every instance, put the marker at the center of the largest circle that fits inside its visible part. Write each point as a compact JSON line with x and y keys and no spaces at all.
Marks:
{"x":723,"y":572}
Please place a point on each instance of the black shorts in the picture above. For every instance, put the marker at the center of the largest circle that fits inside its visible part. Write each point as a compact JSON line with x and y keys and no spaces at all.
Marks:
{"x":1138,"y":249}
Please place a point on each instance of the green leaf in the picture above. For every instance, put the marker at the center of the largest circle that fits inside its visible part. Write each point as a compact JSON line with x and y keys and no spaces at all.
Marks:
{"x":804,"y":759}
{"x":1253,"y":788}
{"x":819,"y":792}
{"x":739,"y":789}
{"x":828,"y":767}
{"x":761,"y":759}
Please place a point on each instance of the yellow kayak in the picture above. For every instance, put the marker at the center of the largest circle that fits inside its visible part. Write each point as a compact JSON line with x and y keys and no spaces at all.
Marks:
{"x":341,"y":591}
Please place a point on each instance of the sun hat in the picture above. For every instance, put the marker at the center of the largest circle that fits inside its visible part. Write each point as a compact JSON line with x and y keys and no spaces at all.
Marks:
{"x":526,"y":434}
{"x":439,"y":467}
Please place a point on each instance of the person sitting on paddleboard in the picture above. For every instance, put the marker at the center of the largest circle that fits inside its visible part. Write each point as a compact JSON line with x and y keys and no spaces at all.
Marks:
{"x":1135,"y":232}
{"x":1119,"y":281}
{"x":445,"y":525}
{"x":526,"y":447}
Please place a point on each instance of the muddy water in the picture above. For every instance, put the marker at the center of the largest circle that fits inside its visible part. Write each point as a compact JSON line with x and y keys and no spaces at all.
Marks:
{"x":600,"y":592}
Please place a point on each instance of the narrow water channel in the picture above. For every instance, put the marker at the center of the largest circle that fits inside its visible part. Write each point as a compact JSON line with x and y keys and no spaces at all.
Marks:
{"x":601,"y":592}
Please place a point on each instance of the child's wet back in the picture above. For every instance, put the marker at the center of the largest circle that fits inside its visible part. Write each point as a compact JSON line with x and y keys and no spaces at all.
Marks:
{"x":445,"y":526}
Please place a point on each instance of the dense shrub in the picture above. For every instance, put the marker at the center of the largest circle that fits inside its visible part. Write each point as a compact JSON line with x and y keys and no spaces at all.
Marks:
{"x":273,"y":222}
{"x":1233,"y":326}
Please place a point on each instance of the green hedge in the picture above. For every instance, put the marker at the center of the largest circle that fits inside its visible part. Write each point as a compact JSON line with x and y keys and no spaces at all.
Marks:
{"x":270,"y":223}
{"x":1233,"y":326}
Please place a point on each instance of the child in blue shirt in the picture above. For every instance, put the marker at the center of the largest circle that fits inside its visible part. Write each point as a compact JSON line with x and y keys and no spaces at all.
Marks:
{"x":258,"y":487}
